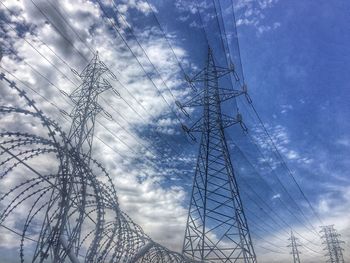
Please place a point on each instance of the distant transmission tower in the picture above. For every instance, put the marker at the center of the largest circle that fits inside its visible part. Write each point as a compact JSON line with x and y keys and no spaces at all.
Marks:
{"x":216,"y":228}
{"x":330,"y":237}
{"x":86,"y":105}
{"x":294,"y":245}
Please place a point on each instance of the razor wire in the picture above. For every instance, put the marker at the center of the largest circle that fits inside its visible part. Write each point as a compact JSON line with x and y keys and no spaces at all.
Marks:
{"x":58,"y":205}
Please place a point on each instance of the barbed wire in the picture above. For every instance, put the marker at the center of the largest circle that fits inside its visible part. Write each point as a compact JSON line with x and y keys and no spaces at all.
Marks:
{"x":68,"y":209}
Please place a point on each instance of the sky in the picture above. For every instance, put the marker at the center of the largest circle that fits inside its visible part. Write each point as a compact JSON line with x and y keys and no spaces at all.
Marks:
{"x":292,"y":55}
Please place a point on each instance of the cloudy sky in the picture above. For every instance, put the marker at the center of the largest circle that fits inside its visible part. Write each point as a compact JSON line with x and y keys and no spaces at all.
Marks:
{"x":294,"y":57}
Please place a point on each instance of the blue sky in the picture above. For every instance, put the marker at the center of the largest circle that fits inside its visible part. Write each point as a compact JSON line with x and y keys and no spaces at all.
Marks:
{"x":303,"y":64}
{"x":298,"y":80}
{"x":300,"y":70}
{"x":295,"y":59}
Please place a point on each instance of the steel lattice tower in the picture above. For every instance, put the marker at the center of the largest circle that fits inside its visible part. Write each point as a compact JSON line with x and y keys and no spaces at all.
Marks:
{"x":217,"y":228}
{"x":294,"y":245}
{"x":86,"y":106}
{"x":335,"y":252}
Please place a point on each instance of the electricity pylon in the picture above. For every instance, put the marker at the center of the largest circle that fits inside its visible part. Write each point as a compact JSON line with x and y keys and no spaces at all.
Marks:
{"x":76,"y":207}
{"x":335,"y":251}
{"x":294,"y":245}
{"x":217,"y":228}
{"x":85,"y":98}
{"x":86,"y":107}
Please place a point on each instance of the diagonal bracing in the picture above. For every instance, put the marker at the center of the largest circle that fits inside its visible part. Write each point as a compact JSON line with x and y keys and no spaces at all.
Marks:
{"x":217,"y":229}
{"x":332,"y":242}
{"x":294,"y":246}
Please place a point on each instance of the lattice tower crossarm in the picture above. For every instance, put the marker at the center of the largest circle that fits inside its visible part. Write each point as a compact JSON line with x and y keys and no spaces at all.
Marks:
{"x":217,"y":229}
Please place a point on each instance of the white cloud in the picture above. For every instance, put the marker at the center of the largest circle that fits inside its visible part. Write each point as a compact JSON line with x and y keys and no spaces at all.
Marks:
{"x":158,"y":209}
{"x":143,"y":6}
{"x":276,"y":196}
{"x":286,"y":108}
{"x":332,"y":203}
{"x":281,"y":139}
{"x":343,"y":142}
{"x":252,"y":13}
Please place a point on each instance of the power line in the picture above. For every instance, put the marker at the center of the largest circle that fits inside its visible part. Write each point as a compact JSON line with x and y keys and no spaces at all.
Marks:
{"x":93,"y":51}
{"x":45,"y":44}
{"x":242,"y":74}
{"x":72,"y":28}
{"x":262,"y":124}
{"x":53,"y":65}
{"x":171,"y":48}
{"x":240,"y":63}
{"x":58,"y":30}
{"x":262,"y":222}
{"x":66,"y":77}
{"x":269,"y":187}
{"x":258,"y":118}
{"x":283,"y":186}
{"x":285,"y":165}
{"x":220,"y":31}
{"x":241,"y":85}
{"x":62,"y":112}
{"x":64,"y":115}
{"x":143,"y":50}
{"x":165,"y":36}
{"x":138,"y":61}
{"x":252,"y":104}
